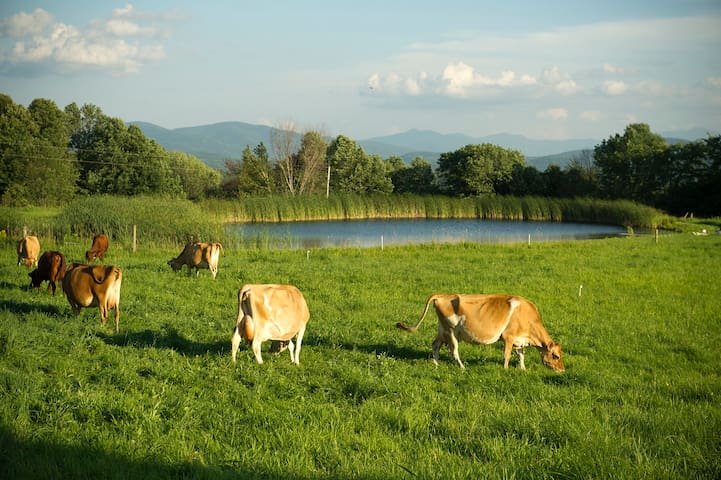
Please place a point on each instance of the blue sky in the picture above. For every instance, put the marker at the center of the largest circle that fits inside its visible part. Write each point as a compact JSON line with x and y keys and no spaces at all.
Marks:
{"x":550,"y":69}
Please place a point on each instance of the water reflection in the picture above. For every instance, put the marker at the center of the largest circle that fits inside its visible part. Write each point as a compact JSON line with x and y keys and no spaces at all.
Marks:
{"x":378,"y":233}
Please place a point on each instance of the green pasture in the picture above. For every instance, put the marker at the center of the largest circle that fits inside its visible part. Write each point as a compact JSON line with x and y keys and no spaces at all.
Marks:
{"x":640,"y":398}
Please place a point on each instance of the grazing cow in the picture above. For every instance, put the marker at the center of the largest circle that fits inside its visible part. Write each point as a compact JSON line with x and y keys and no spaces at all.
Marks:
{"x":486,"y":319}
{"x":98,"y":248}
{"x":28,"y":251}
{"x":270,"y":312}
{"x":94,"y":285}
{"x":198,"y":255}
{"x":51,"y":267}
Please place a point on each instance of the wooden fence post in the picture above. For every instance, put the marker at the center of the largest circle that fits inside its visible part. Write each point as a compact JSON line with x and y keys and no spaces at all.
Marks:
{"x":135,"y":237}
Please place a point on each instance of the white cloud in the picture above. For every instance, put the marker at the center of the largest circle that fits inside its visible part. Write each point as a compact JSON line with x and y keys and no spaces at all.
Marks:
{"x":553,"y":114}
{"x":124,"y":11}
{"x":713,"y":82}
{"x":590,"y":116}
{"x":108,"y":44}
{"x":614,"y":87}
{"x":614,"y":69}
{"x":22,"y":24}
{"x":560,"y":82}
{"x":457,"y":80}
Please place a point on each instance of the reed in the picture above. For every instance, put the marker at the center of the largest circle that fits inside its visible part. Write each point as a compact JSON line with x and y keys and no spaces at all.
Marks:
{"x":374,"y":206}
{"x":158,"y":220}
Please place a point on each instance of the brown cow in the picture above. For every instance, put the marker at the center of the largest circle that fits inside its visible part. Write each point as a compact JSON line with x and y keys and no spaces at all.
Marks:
{"x":94,"y":285}
{"x":270,"y":312}
{"x":486,"y":319}
{"x":28,"y":251}
{"x":51,"y":267}
{"x":198,"y":255}
{"x":98,"y":248}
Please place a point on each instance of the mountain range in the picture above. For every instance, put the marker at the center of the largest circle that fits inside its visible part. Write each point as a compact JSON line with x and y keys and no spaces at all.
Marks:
{"x":215,"y":143}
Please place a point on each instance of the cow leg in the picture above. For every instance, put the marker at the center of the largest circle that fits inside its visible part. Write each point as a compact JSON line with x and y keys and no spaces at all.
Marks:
{"x":103,"y":315}
{"x":507,"y":346}
{"x":291,"y":349}
{"x":519,"y":351}
{"x":117,"y":318}
{"x":298,"y":342}
{"x":256,"y":350}
{"x":453,"y":347}
{"x":235,"y":342}
{"x":436,"y":347}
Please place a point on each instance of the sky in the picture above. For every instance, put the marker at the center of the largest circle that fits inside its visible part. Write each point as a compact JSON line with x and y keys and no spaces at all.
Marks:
{"x":546,"y":70}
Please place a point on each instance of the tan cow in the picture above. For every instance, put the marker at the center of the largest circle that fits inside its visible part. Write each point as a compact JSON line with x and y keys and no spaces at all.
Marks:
{"x":485,"y":319}
{"x":198,"y":255}
{"x":51,"y":267}
{"x":98,"y":248}
{"x":270,"y":312}
{"x":28,"y":251}
{"x":94,"y":285}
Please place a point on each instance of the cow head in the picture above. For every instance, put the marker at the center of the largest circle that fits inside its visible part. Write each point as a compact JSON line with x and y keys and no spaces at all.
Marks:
{"x":553,"y":357}
{"x":175,"y":264}
{"x":35,"y":279}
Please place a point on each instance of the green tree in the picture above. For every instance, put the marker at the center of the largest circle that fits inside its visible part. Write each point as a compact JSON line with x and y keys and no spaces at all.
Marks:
{"x":527,"y":180}
{"x":417,"y":178}
{"x":354,"y":171}
{"x":119,"y":159}
{"x":312,"y":162}
{"x":196,"y":178}
{"x":36,"y":167}
{"x":631,"y":165}
{"x":478,"y":169}
{"x":694,"y":178}
{"x":254,"y":172}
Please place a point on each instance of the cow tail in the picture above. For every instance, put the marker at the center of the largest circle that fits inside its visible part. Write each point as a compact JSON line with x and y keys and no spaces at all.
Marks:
{"x":242,"y":297}
{"x":408,"y":328}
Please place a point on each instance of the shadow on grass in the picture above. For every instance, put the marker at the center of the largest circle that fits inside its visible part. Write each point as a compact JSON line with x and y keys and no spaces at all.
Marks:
{"x":25,"y":308}
{"x":37,"y":458}
{"x":170,"y":338}
{"x":395,"y":351}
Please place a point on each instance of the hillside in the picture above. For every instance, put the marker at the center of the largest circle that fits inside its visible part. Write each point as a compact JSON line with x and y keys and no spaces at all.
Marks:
{"x":215,"y":143}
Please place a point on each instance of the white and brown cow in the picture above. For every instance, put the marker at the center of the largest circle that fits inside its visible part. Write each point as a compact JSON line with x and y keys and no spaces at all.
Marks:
{"x":94,"y":285}
{"x":28,"y":251}
{"x":485,"y":319}
{"x":198,"y":255}
{"x":270,"y":312}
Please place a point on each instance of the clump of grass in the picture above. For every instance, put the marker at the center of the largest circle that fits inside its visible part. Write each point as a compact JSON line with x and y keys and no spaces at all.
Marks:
{"x":158,"y":220}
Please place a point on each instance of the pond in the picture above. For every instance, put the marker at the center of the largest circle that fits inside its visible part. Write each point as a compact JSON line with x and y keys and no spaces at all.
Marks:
{"x":380,"y":233}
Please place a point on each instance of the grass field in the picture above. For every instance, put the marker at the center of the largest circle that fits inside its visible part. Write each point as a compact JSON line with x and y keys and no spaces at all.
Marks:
{"x":640,"y":398}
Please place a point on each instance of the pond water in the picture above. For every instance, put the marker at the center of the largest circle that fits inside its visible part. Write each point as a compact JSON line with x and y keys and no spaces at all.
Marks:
{"x":379,"y":233}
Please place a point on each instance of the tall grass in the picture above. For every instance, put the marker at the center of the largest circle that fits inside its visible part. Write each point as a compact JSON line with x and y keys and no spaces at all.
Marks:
{"x":158,"y":220}
{"x":162,"y":399}
{"x":354,"y":207}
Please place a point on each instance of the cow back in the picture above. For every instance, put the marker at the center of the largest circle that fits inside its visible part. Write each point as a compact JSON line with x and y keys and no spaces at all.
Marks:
{"x":278,"y":311}
{"x":28,"y":250}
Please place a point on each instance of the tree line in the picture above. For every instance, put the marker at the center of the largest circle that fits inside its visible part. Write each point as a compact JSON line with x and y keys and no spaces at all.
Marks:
{"x":49,"y":156}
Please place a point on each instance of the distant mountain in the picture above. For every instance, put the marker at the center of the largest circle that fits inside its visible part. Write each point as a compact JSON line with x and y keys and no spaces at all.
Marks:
{"x":215,"y":143}
{"x":689,"y":135}
{"x":212,"y":144}
{"x":426,"y":140}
